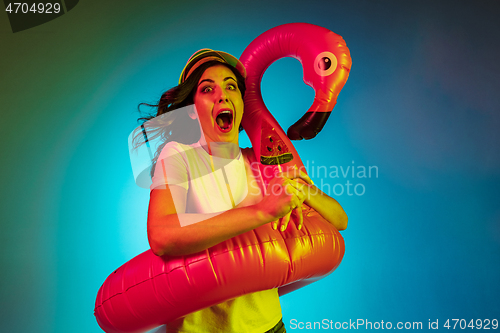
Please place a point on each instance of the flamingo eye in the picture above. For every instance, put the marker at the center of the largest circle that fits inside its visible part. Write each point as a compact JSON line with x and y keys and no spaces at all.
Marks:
{"x":325,"y":63}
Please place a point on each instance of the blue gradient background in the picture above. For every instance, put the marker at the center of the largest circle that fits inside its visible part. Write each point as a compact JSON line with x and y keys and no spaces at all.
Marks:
{"x":421,"y":104}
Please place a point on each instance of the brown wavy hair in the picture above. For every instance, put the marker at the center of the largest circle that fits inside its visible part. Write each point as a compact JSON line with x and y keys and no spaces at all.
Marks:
{"x":173,"y":99}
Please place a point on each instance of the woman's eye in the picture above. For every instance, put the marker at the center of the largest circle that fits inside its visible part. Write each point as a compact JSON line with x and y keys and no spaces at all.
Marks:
{"x":206,"y":89}
{"x":231,"y":87}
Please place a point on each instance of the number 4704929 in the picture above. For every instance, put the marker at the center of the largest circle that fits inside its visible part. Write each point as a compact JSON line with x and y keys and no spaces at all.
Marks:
{"x":484,"y":324}
{"x":39,"y":7}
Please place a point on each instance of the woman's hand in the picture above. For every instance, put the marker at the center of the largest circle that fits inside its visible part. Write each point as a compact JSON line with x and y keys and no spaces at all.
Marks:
{"x":284,"y":195}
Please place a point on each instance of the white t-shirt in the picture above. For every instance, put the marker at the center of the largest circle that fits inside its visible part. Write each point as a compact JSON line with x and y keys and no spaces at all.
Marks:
{"x":205,"y":178}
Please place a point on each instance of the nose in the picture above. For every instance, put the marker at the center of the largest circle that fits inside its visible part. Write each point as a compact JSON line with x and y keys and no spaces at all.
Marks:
{"x":222,"y":96}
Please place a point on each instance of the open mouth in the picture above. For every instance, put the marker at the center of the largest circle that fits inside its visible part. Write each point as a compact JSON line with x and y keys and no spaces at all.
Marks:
{"x":224,"y":120}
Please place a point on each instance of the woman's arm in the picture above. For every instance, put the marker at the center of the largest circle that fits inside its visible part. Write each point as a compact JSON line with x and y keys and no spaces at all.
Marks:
{"x":167,"y":236}
{"x":326,"y":206}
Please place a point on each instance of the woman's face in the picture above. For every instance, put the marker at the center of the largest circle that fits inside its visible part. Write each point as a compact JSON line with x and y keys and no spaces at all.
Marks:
{"x":219,"y":104}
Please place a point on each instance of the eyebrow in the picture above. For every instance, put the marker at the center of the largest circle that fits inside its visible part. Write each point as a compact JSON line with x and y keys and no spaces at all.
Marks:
{"x":212,"y":81}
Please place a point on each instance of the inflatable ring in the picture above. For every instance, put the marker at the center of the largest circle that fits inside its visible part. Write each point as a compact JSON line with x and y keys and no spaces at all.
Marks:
{"x":149,"y":291}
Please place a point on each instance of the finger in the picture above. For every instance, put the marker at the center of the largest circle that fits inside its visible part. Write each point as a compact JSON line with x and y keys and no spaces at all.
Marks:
{"x":297,"y":173}
{"x":298,"y":193}
{"x":274,"y":224}
{"x":304,"y":176}
{"x":301,"y":217}
{"x":299,"y":186}
{"x":296,"y":202}
{"x":289,"y":188}
{"x":285,"y":221}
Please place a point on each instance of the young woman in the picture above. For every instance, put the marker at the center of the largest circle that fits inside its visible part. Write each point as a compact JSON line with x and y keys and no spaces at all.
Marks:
{"x":190,"y":214}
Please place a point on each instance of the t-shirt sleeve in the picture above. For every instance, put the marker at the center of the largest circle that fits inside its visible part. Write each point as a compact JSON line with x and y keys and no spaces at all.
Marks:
{"x":171,"y":167}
